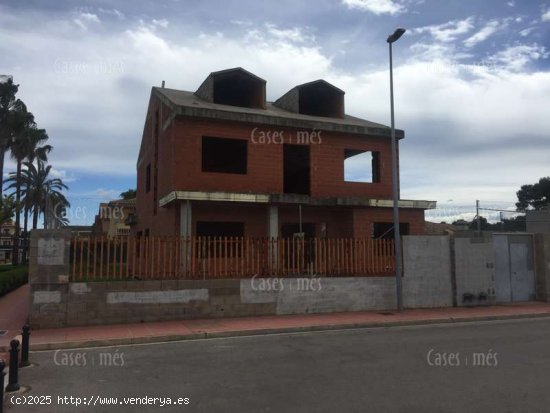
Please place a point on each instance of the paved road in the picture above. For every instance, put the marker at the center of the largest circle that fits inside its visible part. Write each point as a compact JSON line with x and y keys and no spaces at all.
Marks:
{"x":375,"y":370}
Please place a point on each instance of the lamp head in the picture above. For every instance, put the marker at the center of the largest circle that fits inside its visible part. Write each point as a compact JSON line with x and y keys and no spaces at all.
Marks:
{"x":396,"y":35}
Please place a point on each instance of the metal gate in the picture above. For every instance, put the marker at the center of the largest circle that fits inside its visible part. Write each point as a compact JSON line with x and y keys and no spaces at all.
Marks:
{"x":514,"y":267}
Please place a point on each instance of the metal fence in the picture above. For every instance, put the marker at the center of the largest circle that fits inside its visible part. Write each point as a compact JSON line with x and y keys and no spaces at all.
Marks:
{"x":125,"y":258}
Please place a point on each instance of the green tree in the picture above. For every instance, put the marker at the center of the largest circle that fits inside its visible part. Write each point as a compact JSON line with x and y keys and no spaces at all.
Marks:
{"x":26,"y":146}
{"x":12,"y":119}
{"x":55,"y":210}
{"x":7,"y":209}
{"x":129,"y":194}
{"x":485,"y":225}
{"x":514,"y":224}
{"x":535,"y":196}
{"x":41,"y":192}
{"x":38,"y":153}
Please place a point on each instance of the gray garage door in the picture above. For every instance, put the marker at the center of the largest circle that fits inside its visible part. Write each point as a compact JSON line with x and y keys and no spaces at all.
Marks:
{"x":514,"y":267}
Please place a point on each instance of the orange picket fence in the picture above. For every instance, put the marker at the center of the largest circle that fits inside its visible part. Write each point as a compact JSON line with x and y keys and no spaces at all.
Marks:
{"x":197,"y":258}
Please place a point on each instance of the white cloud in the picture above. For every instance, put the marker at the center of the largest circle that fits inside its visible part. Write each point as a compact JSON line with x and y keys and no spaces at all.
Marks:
{"x":526,"y":32}
{"x":511,"y":3}
{"x":105,"y":193}
{"x":153,"y":24}
{"x":113,"y":12}
{"x":62,"y":174}
{"x":482,"y":35}
{"x":517,"y":57}
{"x":84,"y":19}
{"x":377,"y":7}
{"x":451,"y":211}
{"x":90,"y":17}
{"x":546,"y":16}
{"x":447,"y":32}
{"x":161,"y":23}
{"x":294,"y":34}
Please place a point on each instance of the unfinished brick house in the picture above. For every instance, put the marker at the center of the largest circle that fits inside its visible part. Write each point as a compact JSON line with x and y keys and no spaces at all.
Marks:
{"x":222,"y":161}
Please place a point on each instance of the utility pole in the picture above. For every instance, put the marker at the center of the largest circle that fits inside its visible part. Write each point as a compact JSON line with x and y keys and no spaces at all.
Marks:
{"x":395,"y":181}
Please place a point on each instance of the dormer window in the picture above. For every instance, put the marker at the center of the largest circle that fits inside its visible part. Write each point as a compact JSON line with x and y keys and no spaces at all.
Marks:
{"x":321,"y":99}
{"x":234,"y":87}
{"x":318,"y":98}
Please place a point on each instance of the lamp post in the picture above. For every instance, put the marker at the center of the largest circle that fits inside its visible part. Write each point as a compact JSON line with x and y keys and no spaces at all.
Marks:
{"x":395,"y":189}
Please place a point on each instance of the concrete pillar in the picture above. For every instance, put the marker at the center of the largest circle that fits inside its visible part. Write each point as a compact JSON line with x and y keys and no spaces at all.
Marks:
{"x":273,"y":232}
{"x":49,"y":269}
{"x":186,"y":221}
{"x":273,"y":225}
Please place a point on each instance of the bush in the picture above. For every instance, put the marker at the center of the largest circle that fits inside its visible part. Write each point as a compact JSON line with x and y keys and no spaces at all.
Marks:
{"x":12,"y":277}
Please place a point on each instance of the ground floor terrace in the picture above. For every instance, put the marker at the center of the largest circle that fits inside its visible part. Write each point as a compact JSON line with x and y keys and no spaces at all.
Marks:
{"x":224,"y":237}
{"x":204,"y":214}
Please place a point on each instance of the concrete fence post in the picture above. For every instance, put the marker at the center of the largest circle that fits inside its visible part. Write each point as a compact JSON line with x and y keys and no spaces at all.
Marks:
{"x":49,"y":266}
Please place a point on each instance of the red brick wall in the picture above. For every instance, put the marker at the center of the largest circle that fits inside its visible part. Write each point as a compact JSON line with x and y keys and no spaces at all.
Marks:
{"x":265,"y":161}
{"x":365,"y":217}
{"x":338,"y":221}
{"x":166,"y":220}
{"x":179,"y":168}
{"x":327,"y":163}
{"x":255,"y":217}
{"x":264,"y":170}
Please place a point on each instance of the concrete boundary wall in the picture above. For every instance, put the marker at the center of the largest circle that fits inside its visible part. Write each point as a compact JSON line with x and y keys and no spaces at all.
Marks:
{"x":427,"y":269}
{"x":474,"y":271}
{"x":56,"y":302}
{"x":542,"y":266}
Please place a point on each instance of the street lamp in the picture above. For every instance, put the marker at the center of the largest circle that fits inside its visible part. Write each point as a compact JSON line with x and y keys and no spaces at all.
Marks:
{"x":395,"y":190}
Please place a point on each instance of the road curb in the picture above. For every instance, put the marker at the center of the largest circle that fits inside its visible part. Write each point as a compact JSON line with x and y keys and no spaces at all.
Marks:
{"x":63,"y":345}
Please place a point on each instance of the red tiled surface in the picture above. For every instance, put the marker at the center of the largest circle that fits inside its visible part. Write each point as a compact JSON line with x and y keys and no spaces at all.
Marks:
{"x":14,"y":311}
{"x":186,"y":327}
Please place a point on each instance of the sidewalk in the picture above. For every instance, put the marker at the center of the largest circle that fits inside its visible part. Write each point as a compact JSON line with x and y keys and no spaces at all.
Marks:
{"x":14,"y":310}
{"x":74,"y":337}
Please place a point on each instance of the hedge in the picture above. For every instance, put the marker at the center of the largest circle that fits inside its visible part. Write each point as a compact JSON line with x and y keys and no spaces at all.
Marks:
{"x":12,"y":277}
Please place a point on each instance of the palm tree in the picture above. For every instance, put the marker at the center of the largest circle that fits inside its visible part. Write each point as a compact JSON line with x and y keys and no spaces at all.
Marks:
{"x":26,"y":146}
{"x":12,"y":120}
{"x":55,"y":210}
{"x":42,"y":193}
{"x":39,"y":153}
{"x":7,"y":208}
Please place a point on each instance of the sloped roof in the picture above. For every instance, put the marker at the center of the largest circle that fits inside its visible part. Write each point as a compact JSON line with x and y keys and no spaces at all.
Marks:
{"x":319,"y":82}
{"x":236,"y":70}
{"x":186,"y":103}
{"x":122,"y":201}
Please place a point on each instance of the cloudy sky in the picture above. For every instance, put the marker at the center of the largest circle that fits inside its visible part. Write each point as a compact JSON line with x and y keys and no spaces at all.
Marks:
{"x":472,"y":81}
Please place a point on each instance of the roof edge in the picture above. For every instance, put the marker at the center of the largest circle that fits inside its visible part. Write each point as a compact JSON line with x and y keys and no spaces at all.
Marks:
{"x":259,"y":198}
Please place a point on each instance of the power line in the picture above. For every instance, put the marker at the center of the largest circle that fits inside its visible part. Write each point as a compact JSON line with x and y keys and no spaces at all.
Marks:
{"x":500,"y":210}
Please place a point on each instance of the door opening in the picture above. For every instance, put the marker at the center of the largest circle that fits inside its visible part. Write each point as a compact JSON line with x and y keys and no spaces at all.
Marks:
{"x":296,"y":179}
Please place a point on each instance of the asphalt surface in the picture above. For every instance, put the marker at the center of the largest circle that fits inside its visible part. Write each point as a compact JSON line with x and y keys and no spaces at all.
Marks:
{"x":499,"y":366}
